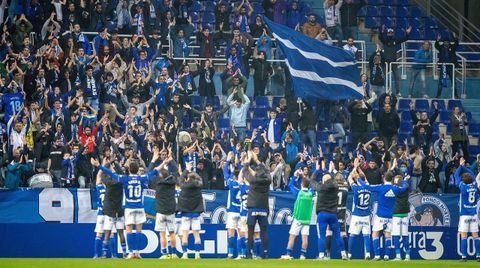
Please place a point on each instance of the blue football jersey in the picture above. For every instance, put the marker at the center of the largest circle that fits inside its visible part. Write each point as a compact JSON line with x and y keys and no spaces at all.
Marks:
{"x":244,"y":195}
{"x":100,"y":196}
{"x":133,"y":186}
{"x":469,"y":193}
{"x":386,"y":196}
{"x":12,"y":103}
{"x":361,"y":205}
{"x":234,"y":196}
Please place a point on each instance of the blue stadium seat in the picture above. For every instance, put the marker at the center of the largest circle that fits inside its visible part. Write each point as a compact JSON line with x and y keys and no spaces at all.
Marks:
{"x":371,"y":22}
{"x":256,"y":122}
{"x":441,"y":105}
{"x":401,"y":23}
{"x":403,"y":105}
{"x":474,"y":150}
{"x":216,"y":102}
{"x":386,"y":11}
{"x":406,"y":116}
{"x":435,"y":128}
{"x":387,"y":21}
{"x":390,"y":2}
{"x":453,"y":103}
{"x":210,"y":6}
{"x":208,"y":18}
{"x":416,"y":12}
{"x":276,"y":100}
{"x":402,"y":137}
{"x":399,"y":32}
{"x":449,"y":129}
{"x":196,"y":101}
{"x":416,"y":34}
{"x":260,"y":112}
{"x":196,"y":7}
{"x":371,"y":11}
{"x":322,"y":137}
{"x":195,"y":17}
{"x":469,"y":116}
{"x":431,"y":34}
{"x":445,"y":117}
{"x":421,"y":105}
{"x":431,"y":23}
{"x":224,"y":123}
{"x":374,"y":2}
{"x":362,"y":12}
{"x":403,"y":3}
{"x":415,"y":23}
{"x":406,"y":127}
{"x":401,"y":12}
{"x":262,"y":102}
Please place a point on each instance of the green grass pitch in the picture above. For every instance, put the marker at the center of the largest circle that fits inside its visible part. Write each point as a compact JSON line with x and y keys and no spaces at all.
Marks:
{"x":222,"y":263}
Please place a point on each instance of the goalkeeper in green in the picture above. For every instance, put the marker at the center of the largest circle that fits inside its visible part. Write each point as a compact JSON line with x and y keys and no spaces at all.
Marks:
{"x":302,"y":215}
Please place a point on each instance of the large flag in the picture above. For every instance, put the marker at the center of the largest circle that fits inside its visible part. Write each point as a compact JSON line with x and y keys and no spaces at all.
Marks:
{"x":318,"y":70}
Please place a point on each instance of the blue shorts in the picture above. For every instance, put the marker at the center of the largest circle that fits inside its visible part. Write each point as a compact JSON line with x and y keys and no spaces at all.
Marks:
{"x":255,"y":215}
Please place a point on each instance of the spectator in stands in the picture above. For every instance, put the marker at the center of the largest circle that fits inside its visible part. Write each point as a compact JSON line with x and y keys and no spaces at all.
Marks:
{"x":258,"y":27}
{"x":348,"y":20}
{"x":180,"y":39}
{"x":447,"y":54}
{"x":280,"y":9}
{"x":351,"y":48}
{"x":22,"y":29}
{"x":338,"y":117}
{"x":124,"y":18}
{"x":263,"y":70}
{"x":206,"y":87}
{"x":369,"y":96}
{"x":390,"y":43}
{"x":307,"y":124}
{"x":182,"y":14}
{"x":98,"y":20}
{"x":324,"y":37}
{"x":424,"y":122}
{"x":294,"y":16}
{"x":388,"y":123}
{"x":16,"y":168}
{"x":290,"y":143}
{"x":50,"y":28}
{"x":239,"y":106}
{"x":222,"y":17}
{"x":205,"y":39}
{"x":242,"y":16}
{"x":332,"y":18}
{"x":422,"y":55}
{"x":430,"y":181}
{"x":388,"y":97}
{"x":312,"y":28}
{"x":237,"y":82}
{"x":459,"y":122}
{"x":359,"y":111}
{"x":229,"y":71}
{"x":54,"y":165}
{"x":377,"y":72}
{"x":264,"y":44}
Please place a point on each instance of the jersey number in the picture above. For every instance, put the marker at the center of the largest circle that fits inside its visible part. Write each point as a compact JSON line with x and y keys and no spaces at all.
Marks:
{"x":340,"y":195}
{"x":134,"y":191}
{"x":364,"y":199}
{"x":16,"y":105}
{"x":471,"y":197}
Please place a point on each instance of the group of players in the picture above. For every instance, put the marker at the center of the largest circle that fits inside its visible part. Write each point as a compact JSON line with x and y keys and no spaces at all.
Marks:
{"x":179,"y":205}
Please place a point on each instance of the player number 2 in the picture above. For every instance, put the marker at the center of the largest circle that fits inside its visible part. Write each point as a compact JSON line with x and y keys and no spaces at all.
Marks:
{"x":134,"y":191}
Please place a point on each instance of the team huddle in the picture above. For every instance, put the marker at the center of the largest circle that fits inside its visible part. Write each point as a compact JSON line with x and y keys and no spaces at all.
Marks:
{"x":179,"y":205}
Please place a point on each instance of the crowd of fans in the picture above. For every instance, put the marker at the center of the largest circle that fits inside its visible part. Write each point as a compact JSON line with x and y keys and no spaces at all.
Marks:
{"x":72,"y":96}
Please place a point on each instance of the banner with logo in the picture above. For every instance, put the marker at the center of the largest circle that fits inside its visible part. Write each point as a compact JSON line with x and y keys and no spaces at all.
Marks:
{"x":70,"y":214}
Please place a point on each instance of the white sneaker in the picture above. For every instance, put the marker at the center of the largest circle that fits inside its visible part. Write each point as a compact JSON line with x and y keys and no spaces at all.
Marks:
{"x":326,"y":258}
{"x":197,"y":255}
{"x":377,"y":258}
{"x":286,"y":257}
{"x":407,"y":257}
{"x":185,"y":256}
{"x":302,"y":257}
{"x":397,"y":259}
{"x":320,"y":259}
{"x":130,"y":256}
{"x":386,"y":258}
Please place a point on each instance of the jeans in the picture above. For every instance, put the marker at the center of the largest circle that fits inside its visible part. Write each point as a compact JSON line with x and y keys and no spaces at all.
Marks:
{"x":338,"y":127}
{"x":310,"y":137}
{"x":241,"y":133}
{"x":335,"y":33}
{"x":423,"y":90}
{"x":350,"y":31}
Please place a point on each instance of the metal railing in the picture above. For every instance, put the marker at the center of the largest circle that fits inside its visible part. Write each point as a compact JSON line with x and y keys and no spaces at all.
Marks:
{"x":434,"y":70}
{"x":451,"y":18}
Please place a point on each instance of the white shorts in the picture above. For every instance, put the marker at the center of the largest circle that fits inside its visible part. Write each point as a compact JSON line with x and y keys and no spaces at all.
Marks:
{"x":114,"y":223}
{"x":193,"y":223}
{"x":135,"y":216}
{"x":233,"y":220}
{"x":178,"y":224}
{"x":400,"y":226}
{"x":297,"y":228}
{"x":165,"y":223}
{"x":359,"y":224}
{"x":382,"y":224}
{"x":468,"y":224}
{"x":100,"y":223}
{"x":244,"y":227}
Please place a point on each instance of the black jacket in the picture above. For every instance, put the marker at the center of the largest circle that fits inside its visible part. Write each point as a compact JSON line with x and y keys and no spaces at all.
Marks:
{"x":390,"y":46}
{"x":447,"y":55}
{"x":358,"y":117}
{"x":259,"y":186}
{"x":430,"y":182}
{"x":262,"y":68}
{"x":402,"y":206}
{"x":388,"y":123}
{"x":349,"y":13}
{"x":112,"y":201}
{"x":165,"y":195}
{"x":190,"y":199}
{"x":327,"y":196}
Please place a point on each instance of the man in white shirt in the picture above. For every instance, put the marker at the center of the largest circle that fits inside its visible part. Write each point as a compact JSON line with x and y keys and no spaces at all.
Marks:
{"x":238,"y":113}
{"x":332,"y":18}
{"x":350,"y":47}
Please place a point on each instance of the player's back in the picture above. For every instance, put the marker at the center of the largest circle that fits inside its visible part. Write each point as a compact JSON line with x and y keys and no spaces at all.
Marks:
{"x":100,"y":188}
{"x":342,"y":200}
{"x":133,"y":187}
{"x":234,"y":196}
{"x":386,"y":199}
{"x":361,"y":200}
{"x":469,"y":196}
{"x":244,"y":188}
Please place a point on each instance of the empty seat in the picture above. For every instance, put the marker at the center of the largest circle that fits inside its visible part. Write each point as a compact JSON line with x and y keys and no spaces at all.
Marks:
{"x":431,"y":23}
{"x":440,"y":105}
{"x":276,"y":100}
{"x":223,"y":123}
{"x":474,"y":129}
{"x":406,"y":116}
{"x":261,"y":102}
{"x":371,"y":11}
{"x":416,"y":34}
{"x":445,"y":117}
{"x":256,"y":122}
{"x":416,"y":12}
{"x":195,"y":17}
{"x":454,"y":103}
{"x":208,"y":18}
{"x":399,"y":32}
{"x":386,"y":11}
{"x":404,"y":105}
{"x":196,"y":101}
{"x":210,"y":6}
{"x":406,"y":127}
{"x":196,"y":7}
{"x":421,"y":105}
{"x":415,"y":23}
{"x":401,"y":12}
{"x":362,"y":12}
{"x":401,"y":23}
{"x":387,"y":21}
{"x":260,"y":112}
{"x":371,"y":22}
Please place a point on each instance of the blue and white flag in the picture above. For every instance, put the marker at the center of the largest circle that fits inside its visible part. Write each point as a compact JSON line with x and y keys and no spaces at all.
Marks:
{"x":318,"y":70}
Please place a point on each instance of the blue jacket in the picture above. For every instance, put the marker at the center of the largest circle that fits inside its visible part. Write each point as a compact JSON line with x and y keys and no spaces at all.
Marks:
{"x":14,"y":173}
{"x":277,"y":128}
{"x":422,"y":56}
